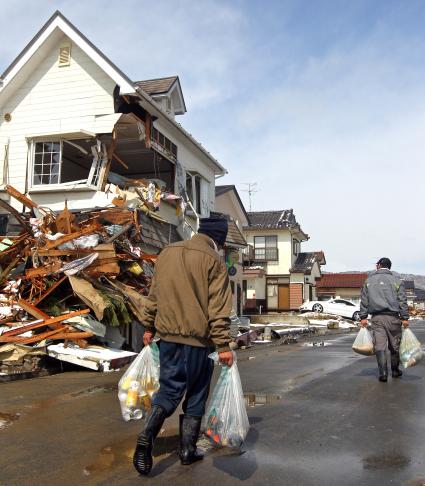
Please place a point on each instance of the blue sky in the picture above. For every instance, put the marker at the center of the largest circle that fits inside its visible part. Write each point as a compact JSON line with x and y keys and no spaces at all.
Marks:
{"x":322,"y":103}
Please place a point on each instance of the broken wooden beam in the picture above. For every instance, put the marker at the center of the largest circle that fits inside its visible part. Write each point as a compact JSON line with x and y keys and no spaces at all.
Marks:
{"x":49,"y":291}
{"x":64,"y":239}
{"x":32,"y":310}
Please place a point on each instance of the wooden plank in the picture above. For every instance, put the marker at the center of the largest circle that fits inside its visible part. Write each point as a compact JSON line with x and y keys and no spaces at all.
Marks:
{"x":49,"y":290}
{"x":31,"y":309}
{"x":22,"y":221}
{"x":47,"y":269}
{"x":26,"y":201}
{"x":118,"y":159}
{"x":64,"y":239}
{"x":52,"y":322}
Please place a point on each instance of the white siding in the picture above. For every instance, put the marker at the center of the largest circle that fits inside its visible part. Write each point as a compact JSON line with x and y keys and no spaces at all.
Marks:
{"x":54,"y":100}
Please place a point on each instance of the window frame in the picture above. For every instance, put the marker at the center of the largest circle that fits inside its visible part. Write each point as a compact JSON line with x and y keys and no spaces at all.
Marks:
{"x":269,"y":256}
{"x":95,"y":170}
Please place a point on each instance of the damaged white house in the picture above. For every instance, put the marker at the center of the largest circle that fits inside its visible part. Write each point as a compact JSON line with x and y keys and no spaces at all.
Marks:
{"x":74,"y":127}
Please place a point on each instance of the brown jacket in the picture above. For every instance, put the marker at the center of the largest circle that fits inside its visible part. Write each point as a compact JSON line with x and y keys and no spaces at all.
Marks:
{"x":190,"y":300}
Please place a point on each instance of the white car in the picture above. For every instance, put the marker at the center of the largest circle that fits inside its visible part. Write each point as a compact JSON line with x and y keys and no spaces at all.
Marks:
{"x":337,"y":307}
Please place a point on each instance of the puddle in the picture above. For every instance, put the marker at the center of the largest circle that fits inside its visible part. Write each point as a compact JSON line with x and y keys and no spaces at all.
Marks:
{"x":260,"y":399}
{"x":7,"y":419}
{"x":120,"y":453}
{"x":386,"y":461}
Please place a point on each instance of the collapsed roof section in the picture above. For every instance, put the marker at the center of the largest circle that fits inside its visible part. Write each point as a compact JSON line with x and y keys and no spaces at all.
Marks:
{"x":140,"y":97}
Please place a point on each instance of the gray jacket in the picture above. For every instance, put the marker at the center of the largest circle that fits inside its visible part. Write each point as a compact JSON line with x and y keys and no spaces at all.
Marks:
{"x":384,"y":293}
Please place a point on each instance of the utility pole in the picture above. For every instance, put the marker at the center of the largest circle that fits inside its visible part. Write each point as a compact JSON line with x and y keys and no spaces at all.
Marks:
{"x":251,"y":189}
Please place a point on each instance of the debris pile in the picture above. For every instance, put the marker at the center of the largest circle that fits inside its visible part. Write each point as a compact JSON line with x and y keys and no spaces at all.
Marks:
{"x":416,"y":312}
{"x":71,"y":277}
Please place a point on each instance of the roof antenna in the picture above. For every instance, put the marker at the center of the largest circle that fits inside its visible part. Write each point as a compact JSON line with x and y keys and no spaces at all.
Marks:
{"x":251,"y":189}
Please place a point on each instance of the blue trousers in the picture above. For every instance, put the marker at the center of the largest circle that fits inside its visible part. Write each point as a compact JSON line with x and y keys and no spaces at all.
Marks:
{"x":183,"y":369}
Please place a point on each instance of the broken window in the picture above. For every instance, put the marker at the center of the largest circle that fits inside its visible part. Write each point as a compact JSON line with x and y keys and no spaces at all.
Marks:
{"x":68,"y":162}
{"x":197,"y":189}
{"x":164,"y":143}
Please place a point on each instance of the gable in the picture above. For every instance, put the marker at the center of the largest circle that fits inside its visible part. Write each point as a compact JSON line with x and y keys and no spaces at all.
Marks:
{"x":49,"y":35}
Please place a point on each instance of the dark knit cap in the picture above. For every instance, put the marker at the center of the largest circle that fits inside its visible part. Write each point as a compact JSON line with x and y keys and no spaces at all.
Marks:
{"x":384,"y":262}
{"x":215,"y":228}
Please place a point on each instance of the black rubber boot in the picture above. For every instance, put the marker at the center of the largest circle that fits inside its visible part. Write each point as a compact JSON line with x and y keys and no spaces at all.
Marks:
{"x":189,"y":432}
{"x":381,"y":358}
{"x":142,"y":459}
{"x":395,"y":363}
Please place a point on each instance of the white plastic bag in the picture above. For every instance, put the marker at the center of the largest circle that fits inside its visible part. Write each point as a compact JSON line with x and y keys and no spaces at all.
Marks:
{"x":139,"y":383}
{"x":226,"y":421}
{"x":410,"y":349}
{"x":363,"y":344}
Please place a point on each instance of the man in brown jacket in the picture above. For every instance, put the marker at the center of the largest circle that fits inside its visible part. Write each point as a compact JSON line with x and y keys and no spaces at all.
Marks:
{"x":188,"y":308}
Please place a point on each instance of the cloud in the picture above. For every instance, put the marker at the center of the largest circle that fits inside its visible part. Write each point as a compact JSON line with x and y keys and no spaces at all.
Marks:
{"x":323,"y":104}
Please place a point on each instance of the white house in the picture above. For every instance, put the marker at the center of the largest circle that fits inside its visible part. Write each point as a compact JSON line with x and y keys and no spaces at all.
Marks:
{"x":229,"y":203}
{"x":278,"y":275}
{"x":74,"y":127}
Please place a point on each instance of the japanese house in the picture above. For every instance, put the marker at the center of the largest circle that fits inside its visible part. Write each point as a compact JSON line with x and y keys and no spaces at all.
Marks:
{"x":228,"y":202}
{"x":344,"y":285}
{"x":278,"y":275}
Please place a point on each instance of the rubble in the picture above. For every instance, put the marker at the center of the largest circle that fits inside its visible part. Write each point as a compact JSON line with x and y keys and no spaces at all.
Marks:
{"x":67,"y":278}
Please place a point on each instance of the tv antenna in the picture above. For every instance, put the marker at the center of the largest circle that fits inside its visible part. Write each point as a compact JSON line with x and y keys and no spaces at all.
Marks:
{"x":251,"y":189}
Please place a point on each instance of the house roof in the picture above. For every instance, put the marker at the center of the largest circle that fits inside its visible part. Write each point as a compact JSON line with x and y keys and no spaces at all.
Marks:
{"x":162,"y":86}
{"x":304,"y":263}
{"x":274,"y":220}
{"x":419,"y":295}
{"x":220,"y":190}
{"x":234,"y":236}
{"x":348,"y":280}
{"x":157,"y":86}
{"x":156,"y":233}
{"x":409,"y":284}
{"x":127,"y":86}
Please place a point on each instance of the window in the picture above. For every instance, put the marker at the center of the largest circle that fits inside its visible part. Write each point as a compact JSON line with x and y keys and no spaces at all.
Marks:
{"x":295,"y":247}
{"x":197,"y":189}
{"x":68,"y":162}
{"x":265,"y":248}
{"x":166,"y":146}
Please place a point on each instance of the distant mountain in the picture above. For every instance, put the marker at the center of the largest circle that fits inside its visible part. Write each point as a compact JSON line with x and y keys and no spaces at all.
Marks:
{"x":418,"y":279}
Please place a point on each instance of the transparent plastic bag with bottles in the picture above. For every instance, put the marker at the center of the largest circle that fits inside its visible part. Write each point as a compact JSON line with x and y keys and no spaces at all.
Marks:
{"x":139,"y":383}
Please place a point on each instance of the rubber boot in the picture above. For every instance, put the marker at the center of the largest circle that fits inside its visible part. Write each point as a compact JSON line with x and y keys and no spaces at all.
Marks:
{"x":142,"y":459}
{"x":395,"y":363}
{"x":381,"y":358}
{"x":189,"y":432}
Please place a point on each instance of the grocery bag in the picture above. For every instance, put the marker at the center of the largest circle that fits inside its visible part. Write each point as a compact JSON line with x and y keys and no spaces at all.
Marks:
{"x":410,"y":349}
{"x":363,"y":344}
{"x":226,"y":421}
{"x":139,"y":383}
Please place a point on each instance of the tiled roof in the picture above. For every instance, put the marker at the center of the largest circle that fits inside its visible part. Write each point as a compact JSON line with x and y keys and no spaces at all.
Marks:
{"x":409,"y":284}
{"x":157,"y":86}
{"x":348,"y":280}
{"x":304,"y":263}
{"x":272,"y":219}
{"x":157,"y":234}
{"x":419,"y":295}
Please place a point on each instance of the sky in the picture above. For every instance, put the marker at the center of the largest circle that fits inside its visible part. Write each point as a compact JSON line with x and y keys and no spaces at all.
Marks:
{"x":322,"y":104}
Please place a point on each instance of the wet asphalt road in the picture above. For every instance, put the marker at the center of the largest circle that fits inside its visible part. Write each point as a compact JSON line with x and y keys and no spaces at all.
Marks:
{"x":328,"y":421}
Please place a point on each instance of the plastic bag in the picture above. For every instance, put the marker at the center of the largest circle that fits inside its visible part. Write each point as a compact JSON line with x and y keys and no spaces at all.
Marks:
{"x":363,"y":344}
{"x":139,"y":383}
{"x":226,"y":421}
{"x":410,"y":349}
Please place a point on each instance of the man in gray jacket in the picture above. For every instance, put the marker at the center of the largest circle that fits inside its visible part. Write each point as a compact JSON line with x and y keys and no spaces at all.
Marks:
{"x":384,"y":297}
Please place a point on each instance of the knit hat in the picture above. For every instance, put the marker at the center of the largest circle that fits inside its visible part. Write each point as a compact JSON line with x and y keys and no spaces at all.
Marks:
{"x":215,"y":228}
{"x":384,"y":262}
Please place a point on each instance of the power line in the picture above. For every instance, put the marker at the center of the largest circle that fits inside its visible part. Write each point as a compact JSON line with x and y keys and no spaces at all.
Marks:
{"x":251,"y":189}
